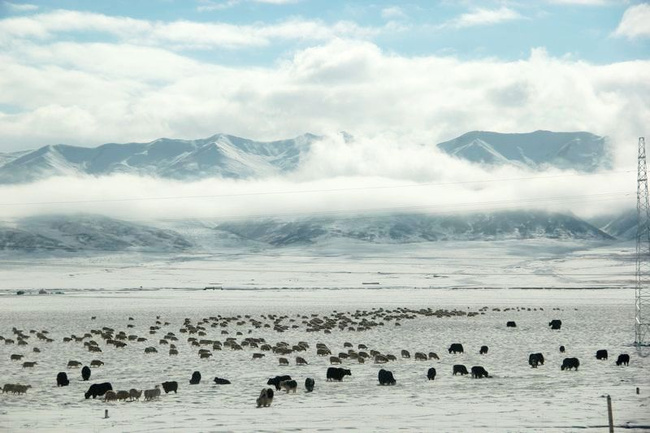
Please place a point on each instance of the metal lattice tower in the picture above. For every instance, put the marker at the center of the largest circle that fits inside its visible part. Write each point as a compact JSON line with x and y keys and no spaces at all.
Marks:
{"x":642,"y":289}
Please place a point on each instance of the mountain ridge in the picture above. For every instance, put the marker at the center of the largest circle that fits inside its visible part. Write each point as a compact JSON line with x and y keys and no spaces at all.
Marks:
{"x":229,"y":156}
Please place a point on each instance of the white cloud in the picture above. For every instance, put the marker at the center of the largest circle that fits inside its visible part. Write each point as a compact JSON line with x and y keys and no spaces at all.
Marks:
{"x":393,"y":12}
{"x":581,"y":2}
{"x":635,"y":22}
{"x":20,"y":7}
{"x":176,"y":34}
{"x":212,"y":5}
{"x":481,"y":17}
{"x":371,"y":174}
{"x":91,"y":94}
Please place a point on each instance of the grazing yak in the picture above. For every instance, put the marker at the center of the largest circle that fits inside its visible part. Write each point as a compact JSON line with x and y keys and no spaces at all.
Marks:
{"x":289,"y":385}
{"x":62,"y":379}
{"x":562,"y":349}
{"x":535,"y":359}
{"x":98,"y":389}
{"x":555,"y":324}
{"x":456,"y":348}
{"x":460,"y":369}
{"x":483,"y":351}
{"x":511,"y":324}
{"x":309,"y":384}
{"x":170,"y":386}
{"x":196,"y":378}
{"x":601,"y":354}
{"x":96,"y":363}
{"x":275,"y":381}
{"x":266,"y":398}
{"x":336,"y":374}
{"x":221,"y":381}
{"x":479,"y":372}
{"x":623,"y":359}
{"x":386,"y":377}
{"x":570,"y":363}
{"x":431,"y":373}
{"x":85,"y":373}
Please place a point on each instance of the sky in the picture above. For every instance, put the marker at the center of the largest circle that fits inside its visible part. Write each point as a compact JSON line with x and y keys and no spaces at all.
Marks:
{"x":395,"y":75}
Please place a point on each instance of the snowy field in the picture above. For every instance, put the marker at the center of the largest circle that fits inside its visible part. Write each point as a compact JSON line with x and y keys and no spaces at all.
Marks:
{"x":340,"y":264}
{"x":515,"y":398}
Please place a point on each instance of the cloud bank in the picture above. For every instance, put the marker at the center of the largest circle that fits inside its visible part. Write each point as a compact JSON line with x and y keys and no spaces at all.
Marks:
{"x":367,"y":176}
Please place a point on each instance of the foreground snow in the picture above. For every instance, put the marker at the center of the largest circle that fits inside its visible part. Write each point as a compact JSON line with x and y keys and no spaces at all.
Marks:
{"x":516,"y":398}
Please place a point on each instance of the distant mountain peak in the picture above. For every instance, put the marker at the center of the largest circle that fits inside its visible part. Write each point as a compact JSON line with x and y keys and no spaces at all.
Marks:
{"x":220,"y":155}
{"x":540,"y":149}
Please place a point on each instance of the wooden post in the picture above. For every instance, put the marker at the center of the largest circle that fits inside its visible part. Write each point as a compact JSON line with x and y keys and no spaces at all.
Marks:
{"x":105,"y":413}
{"x":637,"y":390}
{"x":609,"y":414}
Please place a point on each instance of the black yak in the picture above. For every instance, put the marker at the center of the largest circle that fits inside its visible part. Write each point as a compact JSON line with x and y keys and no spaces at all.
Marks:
{"x":570,"y":363}
{"x":479,"y":372}
{"x":386,"y":377}
{"x":170,"y":386}
{"x":336,"y":374}
{"x":456,"y":348}
{"x":98,"y":389}
{"x":196,"y":378}
{"x":623,"y":359}
{"x":85,"y":373}
{"x":276,"y":381}
{"x":62,"y":379}
{"x":460,"y":369}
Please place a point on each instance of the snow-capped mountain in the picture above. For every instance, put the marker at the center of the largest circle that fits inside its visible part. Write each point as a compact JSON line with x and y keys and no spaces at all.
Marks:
{"x":621,"y":226}
{"x":581,"y":151}
{"x":97,"y":233}
{"x":87,"y":233}
{"x":227,"y":156}
{"x":217,"y":156}
{"x":409,"y":228}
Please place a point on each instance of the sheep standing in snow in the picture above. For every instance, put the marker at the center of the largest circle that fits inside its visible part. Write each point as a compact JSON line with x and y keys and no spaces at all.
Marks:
{"x":150,"y":394}
{"x":135,"y":394}
{"x":110,"y":396}
{"x":266,"y":398}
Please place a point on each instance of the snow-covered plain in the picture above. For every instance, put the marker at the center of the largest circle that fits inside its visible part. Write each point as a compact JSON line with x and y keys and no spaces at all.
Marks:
{"x":596,"y":314}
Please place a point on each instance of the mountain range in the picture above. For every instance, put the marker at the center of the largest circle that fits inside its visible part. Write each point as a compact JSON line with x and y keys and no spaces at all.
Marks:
{"x":227,"y":156}
{"x":580,"y":151}
{"x":75,"y":233}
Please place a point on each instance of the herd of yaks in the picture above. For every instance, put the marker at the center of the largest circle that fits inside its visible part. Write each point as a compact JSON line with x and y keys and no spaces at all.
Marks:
{"x":325,"y":324}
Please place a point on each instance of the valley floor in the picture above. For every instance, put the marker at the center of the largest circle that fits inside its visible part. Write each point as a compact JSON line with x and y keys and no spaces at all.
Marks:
{"x":515,"y":398}
{"x":342,"y":264}
{"x":502,"y":279}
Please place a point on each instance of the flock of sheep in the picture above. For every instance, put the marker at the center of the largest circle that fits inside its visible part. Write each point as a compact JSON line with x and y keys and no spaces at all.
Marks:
{"x":197,"y":337}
